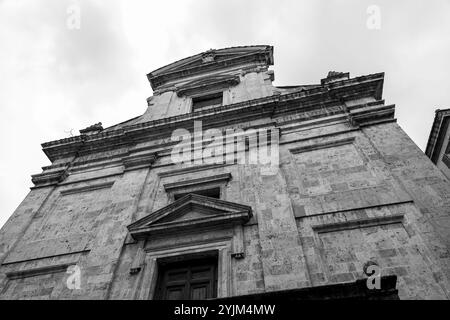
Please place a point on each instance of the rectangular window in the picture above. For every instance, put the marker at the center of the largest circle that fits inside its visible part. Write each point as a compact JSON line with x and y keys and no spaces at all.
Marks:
{"x":207,"y":101}
{"x":213,"y":193}
{"x":187,"y":280}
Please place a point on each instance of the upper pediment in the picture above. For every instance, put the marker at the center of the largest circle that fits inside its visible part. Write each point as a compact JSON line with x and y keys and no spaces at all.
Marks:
{"x":190,"y":213}
{"x":209,"y":61}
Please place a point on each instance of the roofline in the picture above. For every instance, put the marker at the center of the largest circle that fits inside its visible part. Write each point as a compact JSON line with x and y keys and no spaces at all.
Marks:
{"x":54,"y":148}
{"x":201,"y":53}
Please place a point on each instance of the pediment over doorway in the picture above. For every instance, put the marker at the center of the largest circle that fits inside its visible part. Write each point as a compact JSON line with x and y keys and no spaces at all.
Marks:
{"x":190,"y":213}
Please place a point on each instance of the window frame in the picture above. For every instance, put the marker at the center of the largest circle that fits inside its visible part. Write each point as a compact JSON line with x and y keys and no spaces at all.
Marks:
{"x":205,"y":96}
{"x":203,"y":191}
{"x":200,"y":184}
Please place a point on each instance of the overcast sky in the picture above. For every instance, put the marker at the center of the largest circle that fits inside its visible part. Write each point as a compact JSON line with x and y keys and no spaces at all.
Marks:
{"x":54,"y":79}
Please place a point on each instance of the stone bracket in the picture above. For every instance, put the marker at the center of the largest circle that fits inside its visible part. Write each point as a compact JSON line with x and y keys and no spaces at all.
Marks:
{"x":138,"y":260}
{"x":139,"y":161}
{"x":238,"y":248}
{"x":373,"y":116}
{"x":50,"y":177}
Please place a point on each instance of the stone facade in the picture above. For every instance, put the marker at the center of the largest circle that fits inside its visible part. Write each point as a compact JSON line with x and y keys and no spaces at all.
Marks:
{"x":438,"y":147}
{"x":350,"y":188}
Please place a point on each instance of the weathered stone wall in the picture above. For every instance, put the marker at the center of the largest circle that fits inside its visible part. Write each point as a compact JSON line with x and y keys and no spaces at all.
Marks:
{"x":351,"y":187}
{"x":329,"y":175}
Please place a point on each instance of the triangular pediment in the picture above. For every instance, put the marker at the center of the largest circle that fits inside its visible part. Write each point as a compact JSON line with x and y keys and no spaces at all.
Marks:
{"x":210,"y":60}
{"x":190,"y":213}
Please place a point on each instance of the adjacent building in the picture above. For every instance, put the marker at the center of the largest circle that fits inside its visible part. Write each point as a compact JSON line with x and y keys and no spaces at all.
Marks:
{"x":438,"y":146}
{"x":229,"y":186}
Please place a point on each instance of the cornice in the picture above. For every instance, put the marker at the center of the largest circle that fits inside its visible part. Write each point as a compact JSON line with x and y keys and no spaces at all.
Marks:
{"x":362,"y":117}
{"x":48,"y":178}
{"x":292,"y":102}
{"x":139,"y":161}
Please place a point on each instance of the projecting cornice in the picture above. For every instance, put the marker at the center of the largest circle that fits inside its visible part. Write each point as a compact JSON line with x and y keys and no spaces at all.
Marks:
{"x":305,"y":101}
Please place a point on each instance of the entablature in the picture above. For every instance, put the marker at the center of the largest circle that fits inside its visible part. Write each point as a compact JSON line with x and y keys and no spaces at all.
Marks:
{"x":331,"y":96}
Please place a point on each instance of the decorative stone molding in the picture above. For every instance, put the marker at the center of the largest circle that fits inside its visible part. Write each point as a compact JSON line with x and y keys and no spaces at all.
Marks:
{"x":87,"y":188}
{"x":358,"y":223}
{"x":38,"y":271}
{"x":139,"y":161}
{"x":191,"y":213}
{"x":163,"y":89}
{"x":206,"y":85}
{"x":311,"y":99}
{"x":238,"y":250}
{"x":220,"y":248}
{"x":208,"y":56}
{"x":138,"y":260}
{"x":324,"y":145}
{"x":95,"y":128}
{"x":437,"y":136}
{"x":220,"y":178}
{"x":191,"y":169}
{"x":251,"y":69}
{"x":376,"y":115}
{"x":335,"y":76}
{"x":49,"y":177}
{"x":210,"y":61}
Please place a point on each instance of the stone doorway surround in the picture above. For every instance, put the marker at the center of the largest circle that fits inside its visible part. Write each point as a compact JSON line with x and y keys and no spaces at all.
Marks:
{"x":193,"y":226}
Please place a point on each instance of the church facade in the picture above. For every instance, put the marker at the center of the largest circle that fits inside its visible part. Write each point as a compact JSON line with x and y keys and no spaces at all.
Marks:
{"x":228,"y":186}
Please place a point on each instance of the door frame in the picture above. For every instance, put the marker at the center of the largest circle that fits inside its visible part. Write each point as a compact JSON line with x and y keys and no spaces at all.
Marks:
{"x":149,"y":274}
{"x":189,"y":262}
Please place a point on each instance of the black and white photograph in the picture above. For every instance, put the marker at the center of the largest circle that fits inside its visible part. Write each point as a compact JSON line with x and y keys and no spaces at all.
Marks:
{"x":247,"y":155}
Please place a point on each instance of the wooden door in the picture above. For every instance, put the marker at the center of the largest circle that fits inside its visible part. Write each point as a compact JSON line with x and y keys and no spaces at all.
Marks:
{"x":187,"y":280}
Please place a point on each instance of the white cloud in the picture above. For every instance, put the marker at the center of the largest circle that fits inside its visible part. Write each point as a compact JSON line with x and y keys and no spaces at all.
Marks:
{"x":53,"y":79}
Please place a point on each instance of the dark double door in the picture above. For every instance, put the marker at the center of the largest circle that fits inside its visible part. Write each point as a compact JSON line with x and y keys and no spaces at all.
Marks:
{"x":187,"y":280}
